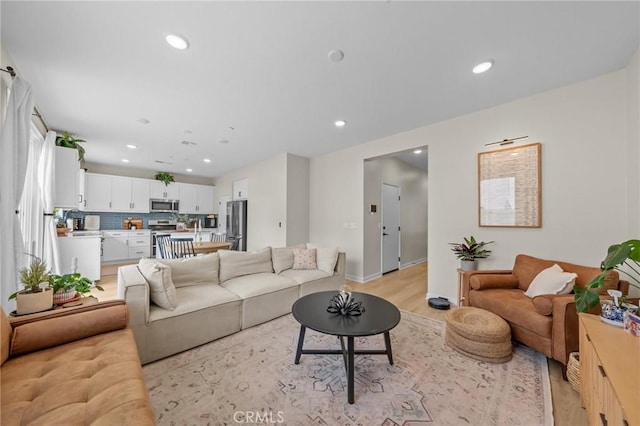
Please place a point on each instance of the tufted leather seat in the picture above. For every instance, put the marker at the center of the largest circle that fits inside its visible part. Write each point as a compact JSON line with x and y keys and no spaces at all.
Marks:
{"x":76,"y":367}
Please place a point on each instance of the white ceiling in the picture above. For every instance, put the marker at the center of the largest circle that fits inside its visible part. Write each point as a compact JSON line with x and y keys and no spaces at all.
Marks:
{"x":257,"y":73}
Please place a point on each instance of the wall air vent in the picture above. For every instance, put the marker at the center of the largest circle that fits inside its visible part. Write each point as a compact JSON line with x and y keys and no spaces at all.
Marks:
{"x":163,"y":162}
{"x":188,"y":143}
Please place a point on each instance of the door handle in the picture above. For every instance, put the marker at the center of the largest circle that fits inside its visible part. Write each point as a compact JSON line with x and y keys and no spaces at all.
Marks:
{"x":384,"y":234}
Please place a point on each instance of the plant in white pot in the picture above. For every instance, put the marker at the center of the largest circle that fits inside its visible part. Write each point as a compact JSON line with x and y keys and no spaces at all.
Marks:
{"x":67,"y":286}
{"x":469,"y":251}
{"x":37,"y":295}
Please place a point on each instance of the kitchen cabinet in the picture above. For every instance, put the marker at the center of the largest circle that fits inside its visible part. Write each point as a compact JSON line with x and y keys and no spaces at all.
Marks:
{"x":126,"y":245}
{"x":196,"y":199}
{"x":129,"y":195}
{"x":67,"y":174}
{"x":241,"y":189}
{"x":158,"y":189}
{"x":97,"y":192}
{"x":116,"y":193}
{"x":81,"y":252}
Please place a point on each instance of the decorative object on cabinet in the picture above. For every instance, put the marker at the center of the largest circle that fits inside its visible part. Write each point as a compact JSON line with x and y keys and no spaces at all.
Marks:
{"x":61,"y":229}
{"x":36,"y":296}
{"x":469,"y":251}
{"x":509,"y":191}
{"x":625,"y":254}
{"x":165,"y":177}
{"x":69,"y":141}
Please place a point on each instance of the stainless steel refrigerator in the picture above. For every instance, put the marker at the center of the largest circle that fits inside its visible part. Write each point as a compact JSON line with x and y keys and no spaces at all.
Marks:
{"x":237,"y":224}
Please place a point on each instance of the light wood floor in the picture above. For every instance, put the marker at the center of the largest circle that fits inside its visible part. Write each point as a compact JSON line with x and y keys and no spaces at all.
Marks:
{"x":407,"y":289}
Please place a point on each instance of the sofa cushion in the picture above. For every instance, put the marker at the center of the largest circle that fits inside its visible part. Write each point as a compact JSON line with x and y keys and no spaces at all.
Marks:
{"x":96,"y":380}
{"x":162,"y":292}
{"x":238,"y":263}
{"x":552,"y":280}
{"x":282,"y":257}
{"x":193,"y":298}
{"x":303,"y":276}
{"x":256,"y":284}
{"x":327,"y":257}
{"x":515,"y":307}
{"x":195,"y":270}
{"x":5,"y":335}
{"x":304,"y":259}
{"x":543,"y":304}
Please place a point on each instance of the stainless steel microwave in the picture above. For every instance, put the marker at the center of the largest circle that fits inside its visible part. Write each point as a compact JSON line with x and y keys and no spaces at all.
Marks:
{"x":163,"y":206}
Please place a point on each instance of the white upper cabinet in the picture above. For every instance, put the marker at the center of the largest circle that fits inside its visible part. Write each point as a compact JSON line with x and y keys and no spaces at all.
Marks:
{"x":97,"y":192}
{"x":140,"y":189}
{"x":241,"y":189}
{"x":196,"y":199}
{"x":67,"y":190}
{"x":160,"y":190}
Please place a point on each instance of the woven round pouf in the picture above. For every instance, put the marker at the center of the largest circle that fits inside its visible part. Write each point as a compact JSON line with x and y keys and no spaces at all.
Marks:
{"x":479,"y":334}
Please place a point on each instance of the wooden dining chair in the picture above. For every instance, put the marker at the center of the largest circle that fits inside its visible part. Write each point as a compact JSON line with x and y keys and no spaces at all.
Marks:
{"x":182,"y":247}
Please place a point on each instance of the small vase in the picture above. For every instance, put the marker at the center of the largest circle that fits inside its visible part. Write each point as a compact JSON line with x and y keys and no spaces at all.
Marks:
{"x":468,"y":265}
{"x":62,"y":297}
{"x":29,"y":303}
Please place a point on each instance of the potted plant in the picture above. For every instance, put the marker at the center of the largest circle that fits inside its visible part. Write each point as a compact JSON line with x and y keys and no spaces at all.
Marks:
{"x":66,"y":287}
{"x":36,"y":296}
{"x":469,"y":251}
{"x":61,"y":229}
{"x":69,"y":141}
{"x":165,"y":177}
{"x":624,"y":258}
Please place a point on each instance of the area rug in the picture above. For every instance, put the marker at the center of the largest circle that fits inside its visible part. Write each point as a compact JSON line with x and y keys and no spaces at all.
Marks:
{"x":250,"y":378}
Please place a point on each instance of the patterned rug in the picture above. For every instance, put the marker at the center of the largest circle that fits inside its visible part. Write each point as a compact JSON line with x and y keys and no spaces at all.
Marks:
{"x":250,"y":378}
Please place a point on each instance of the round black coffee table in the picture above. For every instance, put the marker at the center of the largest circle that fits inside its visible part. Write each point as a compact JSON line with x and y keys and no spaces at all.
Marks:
{"x":380,"y":316}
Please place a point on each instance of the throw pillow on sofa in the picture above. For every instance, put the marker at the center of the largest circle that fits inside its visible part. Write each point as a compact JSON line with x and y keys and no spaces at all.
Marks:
{"x":161,"y":288}
{"x":327,"y":257}
{"x":283,"y":257}
{"x":305,"y":259}
{"x":552,"y":280}
{"x":195,"y":270}
{"x":238,"y":263}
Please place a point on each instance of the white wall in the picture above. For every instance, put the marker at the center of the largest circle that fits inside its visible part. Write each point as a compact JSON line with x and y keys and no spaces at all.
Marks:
{"x":413,"y":212}
{"x":297,"y":220}
{"x":108,"y":169}
{"x":633,"y":157}
{"x":583,"y":132}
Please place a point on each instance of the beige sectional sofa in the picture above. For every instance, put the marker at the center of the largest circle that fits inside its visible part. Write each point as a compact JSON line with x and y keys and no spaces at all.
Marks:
{"x":179,"y":304}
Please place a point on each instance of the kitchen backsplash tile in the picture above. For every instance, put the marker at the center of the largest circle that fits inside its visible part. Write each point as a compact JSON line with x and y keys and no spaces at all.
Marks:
{"x":111,"y":220}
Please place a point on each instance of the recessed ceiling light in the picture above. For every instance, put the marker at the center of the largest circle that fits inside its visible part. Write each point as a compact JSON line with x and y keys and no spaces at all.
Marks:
{"x":131,"y":146}
{"x":483,"y":66}
{"x":124,"y":160}
{"x":189,"y":170}
{"x":340,"y":123}
{"x":223,"y":141}
{"x":207,"y":160}
{"x":177,"y":41}
{"x":336,"y":55}
{"x":143,"y":121}
{"x":417,"y":151}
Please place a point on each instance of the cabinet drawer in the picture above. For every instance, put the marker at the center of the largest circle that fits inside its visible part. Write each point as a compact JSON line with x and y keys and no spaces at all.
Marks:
{"x":139,"y":242}
{"x":115,"y":234}
{"x":138,"y":252}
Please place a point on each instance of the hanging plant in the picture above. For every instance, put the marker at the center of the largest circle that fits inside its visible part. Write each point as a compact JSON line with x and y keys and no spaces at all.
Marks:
{"x":69,"y":141}
{"x":165,"y":177}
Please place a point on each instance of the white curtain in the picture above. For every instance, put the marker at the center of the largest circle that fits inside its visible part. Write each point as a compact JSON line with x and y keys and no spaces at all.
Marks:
{"x":30,"y":208}
{"x":14,"y":140}
{"x":46,"y":182}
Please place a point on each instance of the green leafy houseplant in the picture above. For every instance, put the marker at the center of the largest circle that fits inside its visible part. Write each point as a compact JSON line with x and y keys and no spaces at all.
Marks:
{"x":67,"y":282}
{"x":69,"y":141}
{"x":627,"y":254}
{"x":32,"y":276}
{"x":471,"y":249}
{"x":165,"y":177}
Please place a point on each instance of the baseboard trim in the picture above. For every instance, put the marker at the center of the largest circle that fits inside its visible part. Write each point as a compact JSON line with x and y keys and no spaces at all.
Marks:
{"x":413,"y":263}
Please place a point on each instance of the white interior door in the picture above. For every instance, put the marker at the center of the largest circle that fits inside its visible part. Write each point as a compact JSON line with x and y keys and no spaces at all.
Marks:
{"x":390,"y":228}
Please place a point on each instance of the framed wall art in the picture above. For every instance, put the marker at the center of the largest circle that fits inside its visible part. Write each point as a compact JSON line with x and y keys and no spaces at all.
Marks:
{"x":509,"y":187}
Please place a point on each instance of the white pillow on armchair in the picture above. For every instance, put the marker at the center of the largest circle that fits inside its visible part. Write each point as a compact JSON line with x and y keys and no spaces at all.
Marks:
{"x":552,"y":280}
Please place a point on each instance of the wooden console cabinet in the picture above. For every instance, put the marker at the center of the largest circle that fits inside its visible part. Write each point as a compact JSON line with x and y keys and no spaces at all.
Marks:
{"x":609,"y":373}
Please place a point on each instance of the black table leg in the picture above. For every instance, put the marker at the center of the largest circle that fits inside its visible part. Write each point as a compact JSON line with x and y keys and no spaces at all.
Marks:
{"x":387,"y":344}
{"x":344,"y":353}
{"x":351,"y":369}
{"x":300,"y":342}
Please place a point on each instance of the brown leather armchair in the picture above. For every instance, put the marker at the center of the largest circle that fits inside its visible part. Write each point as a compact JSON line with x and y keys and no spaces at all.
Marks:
{"x":547,"y":323}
